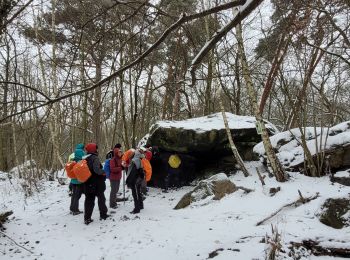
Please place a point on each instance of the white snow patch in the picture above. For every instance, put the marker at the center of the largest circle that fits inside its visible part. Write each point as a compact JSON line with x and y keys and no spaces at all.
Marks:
{"x":43,"y":225}
{"x":342,"y":174}
{"x":290,"y":150}
{"x":213,"y":121}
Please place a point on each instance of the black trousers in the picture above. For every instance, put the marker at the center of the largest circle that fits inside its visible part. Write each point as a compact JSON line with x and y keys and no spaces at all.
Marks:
{"x":76,"y":194}
{"x":137,"y":195}
{"x":91,"y":193}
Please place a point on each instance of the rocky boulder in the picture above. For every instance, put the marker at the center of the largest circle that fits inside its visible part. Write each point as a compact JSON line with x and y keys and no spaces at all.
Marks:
{"x":336,"y":213}
{"x":342,"y":177}
{"x":214,"y":188}
{"x":206,"y":135}
{"x":202,"y":145}
{"x":333,"y":143}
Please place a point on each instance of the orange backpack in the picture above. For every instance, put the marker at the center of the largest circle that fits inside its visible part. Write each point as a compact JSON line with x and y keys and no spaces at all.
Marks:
{"x":147,"y":168}
{"x":69,"y":169}
{"x":81,"y":171}
{"x":127,"y":156}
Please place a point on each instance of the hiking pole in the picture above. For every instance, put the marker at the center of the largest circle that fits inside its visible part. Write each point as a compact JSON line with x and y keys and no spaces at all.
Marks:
{"x":124,"y":186}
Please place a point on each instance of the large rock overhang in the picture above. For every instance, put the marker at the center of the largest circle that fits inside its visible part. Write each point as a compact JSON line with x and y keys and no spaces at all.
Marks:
{"x":203,"y":142}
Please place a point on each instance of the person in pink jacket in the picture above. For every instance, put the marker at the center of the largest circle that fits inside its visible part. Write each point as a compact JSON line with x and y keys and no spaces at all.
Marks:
{"x":116,"y":168}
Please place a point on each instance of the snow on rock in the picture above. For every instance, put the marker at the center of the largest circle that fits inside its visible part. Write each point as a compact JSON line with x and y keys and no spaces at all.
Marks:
{"x":342,"y":174}
{"x":213,"y":122}
{"x":335,"y":212}
{"x":207,"y":135}
{"x":342,"y":177}
{"x":214,"y":188}
{"x":143,"y":141}
{"x":290,"y":151}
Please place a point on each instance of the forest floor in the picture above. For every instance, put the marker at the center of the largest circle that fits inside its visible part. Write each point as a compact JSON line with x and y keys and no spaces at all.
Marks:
{"x":42,"y":228}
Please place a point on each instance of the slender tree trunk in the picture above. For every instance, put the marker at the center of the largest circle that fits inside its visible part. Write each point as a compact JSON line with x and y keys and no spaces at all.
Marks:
{"x":4,"y":138}
{"x":168,"y":84}
{"x":96,"y":117}
{"x":145,"y":108}
{"x":232,"y":144}
{"x":97,"y":105}
{"x":84,"y":122}
{"x":149,"y":109}
{"x":271,"y":156}
{"x":135,"y":115}
{"x":115,"y":102}
{"x":276,"y":63}
{"x":238,"y":88}
{"x":122,"y":101}
{"x":315,"y":59}
{"x":54,"y":116}
{"x":209,"y":81}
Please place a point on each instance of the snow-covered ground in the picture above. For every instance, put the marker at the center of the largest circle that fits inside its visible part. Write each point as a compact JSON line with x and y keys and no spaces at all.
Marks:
{"x":42,"y":223}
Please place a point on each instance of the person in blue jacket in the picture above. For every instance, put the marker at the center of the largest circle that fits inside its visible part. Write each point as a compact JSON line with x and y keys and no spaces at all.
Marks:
{"x":76,"y":185}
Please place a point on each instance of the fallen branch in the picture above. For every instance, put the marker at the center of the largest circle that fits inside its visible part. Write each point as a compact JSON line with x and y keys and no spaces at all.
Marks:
{"x":296,"y":203}
{"x":261,"y":178}
{"x":245,"y":189}
{"x":16,"y":242}
{"x":318,"y":250}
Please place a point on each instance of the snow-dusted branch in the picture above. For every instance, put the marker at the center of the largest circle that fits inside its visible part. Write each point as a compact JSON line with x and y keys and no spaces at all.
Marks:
{"x":240,"y":14}
{"x":180,"y":21}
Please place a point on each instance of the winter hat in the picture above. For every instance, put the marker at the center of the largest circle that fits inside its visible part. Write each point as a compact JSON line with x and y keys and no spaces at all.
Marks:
{"x":79,"y":146}
{"x":91,"y":148}
{"x":118,"y":145}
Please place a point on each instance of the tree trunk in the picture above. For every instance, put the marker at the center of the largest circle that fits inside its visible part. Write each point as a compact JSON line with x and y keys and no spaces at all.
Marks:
{"x":54,"y":117}
{"x":293,"y":116}
{"x":135,"y":115}
{"x":232,"y":144}
{"x":96,"y":116}
{"x":4,"y":128}
{"x":145,"y":109}
{"x":271,"y":156}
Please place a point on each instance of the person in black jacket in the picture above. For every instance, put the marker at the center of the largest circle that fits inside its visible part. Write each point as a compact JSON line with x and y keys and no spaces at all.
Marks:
{"x":95,"y":185}
{"x":134,"y":180}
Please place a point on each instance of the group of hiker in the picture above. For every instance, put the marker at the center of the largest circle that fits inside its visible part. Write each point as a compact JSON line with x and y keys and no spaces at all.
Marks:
{"x":88,"y":177}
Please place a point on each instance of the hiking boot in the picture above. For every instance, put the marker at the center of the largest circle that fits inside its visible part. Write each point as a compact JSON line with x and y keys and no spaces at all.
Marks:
{"x":88,"y":221}
{"x":76,"y":212}
{"x":135,"y":211}
{"x":114,"y":207}
{"x":104,"y":217}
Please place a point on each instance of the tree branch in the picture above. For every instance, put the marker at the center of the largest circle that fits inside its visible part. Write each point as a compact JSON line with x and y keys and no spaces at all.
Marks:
{"x":15,"y":15}
{"x":26,"y":86}
{"x":238,"y":17}
{"x":181,"y":20}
